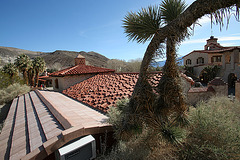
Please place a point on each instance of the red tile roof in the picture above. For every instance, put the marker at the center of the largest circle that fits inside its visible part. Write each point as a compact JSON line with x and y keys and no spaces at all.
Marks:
{"x":104,"y":90}
{"x":217,"y":82}
{"x":224,"y":49}
{"x":80,"y":69}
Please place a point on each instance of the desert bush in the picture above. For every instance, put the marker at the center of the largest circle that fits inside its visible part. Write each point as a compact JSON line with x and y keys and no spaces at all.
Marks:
{"x":214,"y":131}
{"x":119,"y":117}
{"x":12,"y":91}
{"x":145,"y":145}
{"x":6,"y":80}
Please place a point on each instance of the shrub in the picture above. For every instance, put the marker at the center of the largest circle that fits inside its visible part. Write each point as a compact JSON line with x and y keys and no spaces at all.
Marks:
{"x":119,"y":117}
{"x":12,"y":91}
{"x":6,"y":80}
{"x":145,"y":145}
{"x":214,"y":131}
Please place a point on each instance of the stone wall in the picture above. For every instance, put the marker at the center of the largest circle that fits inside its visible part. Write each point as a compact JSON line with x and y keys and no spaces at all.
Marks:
{"x":221,"y":90}
{"x":194,"y":97}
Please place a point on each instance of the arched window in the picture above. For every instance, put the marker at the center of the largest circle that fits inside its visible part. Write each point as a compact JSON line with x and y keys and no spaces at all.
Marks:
{"x":56,"y":83}
{"x":200,"y":60}
{"x":188,"y":62}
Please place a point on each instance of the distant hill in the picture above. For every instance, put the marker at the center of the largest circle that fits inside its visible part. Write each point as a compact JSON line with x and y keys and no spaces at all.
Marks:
{"x":58,"y":59}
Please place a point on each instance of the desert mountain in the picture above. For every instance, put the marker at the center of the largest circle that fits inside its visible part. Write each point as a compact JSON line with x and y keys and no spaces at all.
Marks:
{"x":58,"y":59}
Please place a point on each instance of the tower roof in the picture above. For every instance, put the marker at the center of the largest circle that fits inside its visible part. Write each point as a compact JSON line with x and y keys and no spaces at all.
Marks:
{"x":80,"y":56}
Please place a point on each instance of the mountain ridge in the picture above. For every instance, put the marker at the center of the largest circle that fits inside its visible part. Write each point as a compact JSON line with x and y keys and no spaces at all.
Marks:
{"x":58,"y":59}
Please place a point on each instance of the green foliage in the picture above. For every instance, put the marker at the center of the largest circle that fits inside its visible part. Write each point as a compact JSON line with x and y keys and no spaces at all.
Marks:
{"x":214,"y":131}
{"x":12,"y":91}
{"x":170,"y":9}
{"x":119,"y":117}
{"x":141,"y":26}
{"x":23,"y":62}
{"x":209,"y":73}
{"x":39,"y":64}
{"x":52,"y":70}
{"x":188,"y":69}
{"x":7,"y":80}
{"x":10,"y":69}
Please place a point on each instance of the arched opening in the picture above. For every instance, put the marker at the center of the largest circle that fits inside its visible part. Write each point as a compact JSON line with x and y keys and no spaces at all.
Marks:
{"x":56,"y":84}
{"x":231,"y":83}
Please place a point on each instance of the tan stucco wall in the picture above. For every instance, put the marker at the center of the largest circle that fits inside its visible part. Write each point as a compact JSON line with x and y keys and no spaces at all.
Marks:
{"x":237,"y":90}
{"x":229,"y":70}
{"x":67,"y":81}
{"x":193,"y":56}
{"x":212,"y":55}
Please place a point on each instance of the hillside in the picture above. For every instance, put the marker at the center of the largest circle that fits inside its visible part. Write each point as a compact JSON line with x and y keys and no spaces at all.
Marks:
{"x":58,"y":59}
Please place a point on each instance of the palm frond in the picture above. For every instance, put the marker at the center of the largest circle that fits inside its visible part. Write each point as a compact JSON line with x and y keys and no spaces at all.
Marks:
{"x":171,"y":9}
{"x":222,"y":14}
{"x":142,"y":25}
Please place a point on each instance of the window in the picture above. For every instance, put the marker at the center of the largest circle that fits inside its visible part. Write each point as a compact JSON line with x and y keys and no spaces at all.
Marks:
{"x":188,"y":61}
{"x":216,"y":59}
{"x":200,"y":60}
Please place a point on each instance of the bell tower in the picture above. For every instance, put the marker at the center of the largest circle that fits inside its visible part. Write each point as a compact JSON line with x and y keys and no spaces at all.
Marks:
{"x":79,"y":60}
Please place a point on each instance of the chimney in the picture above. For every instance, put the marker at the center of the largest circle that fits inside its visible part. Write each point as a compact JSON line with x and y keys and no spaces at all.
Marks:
{"x":79,"y":60}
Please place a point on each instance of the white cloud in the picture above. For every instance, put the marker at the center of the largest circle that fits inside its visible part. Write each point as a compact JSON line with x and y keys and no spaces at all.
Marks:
{"x":229,"y":38}
{"x":236,"y":34}
{"x":204,"y":20}
{"x":222,"y":39}
{"x":228,"y":44}
{"x":203,"y":40}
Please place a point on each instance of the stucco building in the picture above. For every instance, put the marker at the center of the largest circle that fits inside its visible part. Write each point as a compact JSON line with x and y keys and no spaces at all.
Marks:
{"x":227,"y":58}
{"x":65,"y":78}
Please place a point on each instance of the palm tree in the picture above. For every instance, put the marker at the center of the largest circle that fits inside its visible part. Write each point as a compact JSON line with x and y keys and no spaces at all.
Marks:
{"x":143,"y":25}
{"x":10,"y":69}
{"x":220,"y":9}
{"x":23,"y":62}
{"x":39,"y":66}
{"x":169,"y":88}
{"x":30,"y":74}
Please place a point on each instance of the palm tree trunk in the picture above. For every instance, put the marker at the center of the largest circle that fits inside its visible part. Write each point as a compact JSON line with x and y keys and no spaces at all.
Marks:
{"x":170,"y":98}
{"x":31,"y":77}
{"x":195,"y":11}
{"x":25,"y":76}
{"x":36,"y":78}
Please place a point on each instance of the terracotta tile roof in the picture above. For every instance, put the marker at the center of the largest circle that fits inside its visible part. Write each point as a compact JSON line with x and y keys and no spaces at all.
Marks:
{"x":217,"y":82}
{"x":201,"y":89}
{"x":104,"y":90}
{"x":224,"y":49}
{"x":80,"y":69}
{"x":40,"y":122}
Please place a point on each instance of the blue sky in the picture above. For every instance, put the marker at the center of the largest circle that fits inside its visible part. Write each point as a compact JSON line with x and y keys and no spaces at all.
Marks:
{"x":89,"y":25}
